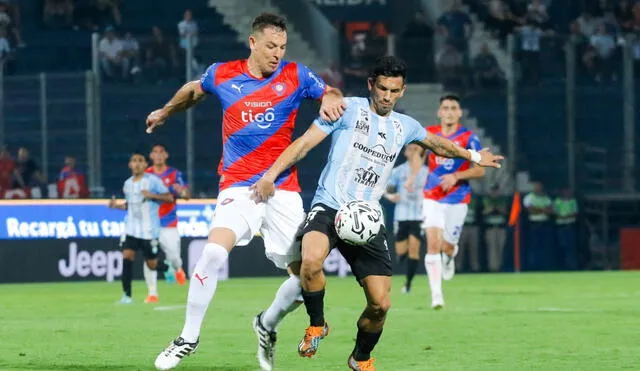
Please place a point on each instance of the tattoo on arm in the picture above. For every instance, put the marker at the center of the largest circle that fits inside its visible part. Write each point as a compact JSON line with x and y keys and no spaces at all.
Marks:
{"x":444,"y":147}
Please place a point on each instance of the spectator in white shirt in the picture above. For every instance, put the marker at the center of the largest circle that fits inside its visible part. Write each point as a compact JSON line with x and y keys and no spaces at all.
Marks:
{"x":599,"y":59}
{"x":188,"y":28}
{"x":111,"y":56}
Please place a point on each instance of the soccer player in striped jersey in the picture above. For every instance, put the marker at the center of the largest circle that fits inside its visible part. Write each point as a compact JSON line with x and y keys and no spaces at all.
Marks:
{"x":447,"y":195}
{"x":365,"y":143}
{"x":260,"y":97}
{"x":143,"y":194}
{"x":405,"y":191}
{"x":169,"y":236}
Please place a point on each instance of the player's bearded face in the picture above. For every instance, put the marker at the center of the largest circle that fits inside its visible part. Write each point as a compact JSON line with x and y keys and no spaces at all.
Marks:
{"x":385,"y":92}
{"x":267,"y":48}
{"x":450,"y":112}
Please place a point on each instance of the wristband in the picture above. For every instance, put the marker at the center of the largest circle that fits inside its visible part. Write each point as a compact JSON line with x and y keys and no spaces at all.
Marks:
{"x":475,"y":156}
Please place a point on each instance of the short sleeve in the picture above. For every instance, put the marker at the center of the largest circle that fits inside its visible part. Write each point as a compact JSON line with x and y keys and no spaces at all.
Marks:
{"x":208,"y":79}
{"x":157,"y":186}
{"x":416,"y":132}
{"x":328,"y":127}
{"x":474,"y":143}
{"x":312,"y":85}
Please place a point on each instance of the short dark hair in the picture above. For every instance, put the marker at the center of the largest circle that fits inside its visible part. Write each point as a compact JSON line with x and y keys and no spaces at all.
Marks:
{"x":265,"y":20}
{"x":138,"y":153}
{"x":159,"y":145}
{"x":450,"y":96}
{"x":389,"y":66}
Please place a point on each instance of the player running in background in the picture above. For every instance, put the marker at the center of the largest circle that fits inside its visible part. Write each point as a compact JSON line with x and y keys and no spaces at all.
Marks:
{"x":169,"y":236}
{"x":447,"y":195}
{"x":365,"y":144}
{"x":260,"y":98}
{"x":143,"y":194}
{"x":408,"y":216}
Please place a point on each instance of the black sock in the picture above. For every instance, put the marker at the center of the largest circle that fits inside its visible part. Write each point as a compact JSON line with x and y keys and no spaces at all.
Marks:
{"x":162,"y":266}
{"x":365,"y":342}
{"x":127,"y":275}
{"x":412,"y":266}
{"x":314,"y":302}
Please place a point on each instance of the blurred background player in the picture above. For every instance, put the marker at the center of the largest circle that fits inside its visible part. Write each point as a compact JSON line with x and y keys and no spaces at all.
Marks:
{"x":169,"y":236}
{"x":260,"y":96}
{"x":447,"y":195}
{"x":407,"y":216}
{"x":143,"y":194}
{"x":365,"y":143}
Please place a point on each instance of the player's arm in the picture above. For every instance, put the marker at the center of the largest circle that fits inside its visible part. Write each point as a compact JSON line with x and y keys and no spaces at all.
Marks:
{"x":296,"y":151}
{"x":114,"y":204}
{"x":161,"y":197}
{"x":446,"y":148}
{"x":186,"y":97}
{"x":181,"y":188}
{"x":332,"y":105}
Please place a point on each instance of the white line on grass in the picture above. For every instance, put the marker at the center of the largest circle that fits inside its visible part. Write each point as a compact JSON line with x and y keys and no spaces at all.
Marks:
{"x":170,"y":307}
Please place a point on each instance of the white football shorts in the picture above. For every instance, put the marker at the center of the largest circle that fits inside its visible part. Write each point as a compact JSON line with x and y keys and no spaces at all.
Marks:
{"x":277,"y":220}
{"x":448,"y":217}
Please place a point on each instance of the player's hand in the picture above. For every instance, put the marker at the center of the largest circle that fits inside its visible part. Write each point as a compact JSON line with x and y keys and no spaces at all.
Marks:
{"x":112,"y":202}
{"x":155,"y":119}
{"x":394,"y":197}
{"x":408,"y":185}
{"x":148,"y":195}
{"x":180,"y":190}
{"x":262,"y":190}
{"x":447,"y":181}
{"x":332,"y":107}
{"x":488,"y":159}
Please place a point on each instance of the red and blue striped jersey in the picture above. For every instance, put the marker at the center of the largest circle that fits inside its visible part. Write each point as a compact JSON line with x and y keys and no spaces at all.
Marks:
{"x":258,"y":118}
{"x":439,"y":166}
{"x":167,"y":211}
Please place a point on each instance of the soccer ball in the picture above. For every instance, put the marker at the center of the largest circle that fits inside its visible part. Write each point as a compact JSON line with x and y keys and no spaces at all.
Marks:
{"x":358,"y":222}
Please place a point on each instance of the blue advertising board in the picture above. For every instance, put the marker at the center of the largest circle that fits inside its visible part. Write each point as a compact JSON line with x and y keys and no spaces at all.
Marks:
{"x":64,"y":219}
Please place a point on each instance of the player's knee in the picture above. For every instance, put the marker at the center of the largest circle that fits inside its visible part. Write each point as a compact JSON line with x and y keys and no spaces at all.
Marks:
{"x":152,"y":264}
{"x":129,"y":254}
{"x":378,"y":309}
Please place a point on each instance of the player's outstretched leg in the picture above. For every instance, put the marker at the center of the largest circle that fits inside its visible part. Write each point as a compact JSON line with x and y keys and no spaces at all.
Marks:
{"x":433,"y":265}
{"x":287,"y":299}
{"x":128,"y":256}
{"x":315,"y":248}
{"x":151,"y":278}
{"x":202,"y":287}
{"x":371,"y":322}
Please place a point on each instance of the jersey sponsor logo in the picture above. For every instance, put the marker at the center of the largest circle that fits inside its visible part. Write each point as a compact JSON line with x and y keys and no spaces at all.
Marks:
{"x":263,"y":120}
{"x":446,"y":163}
{"x":362,"y":124}
{"x":238,"y":88}
{"x":317,"y":80}
{"x":367,"y":177}
{"x":258,"y":104}
{"x":377,"y":152}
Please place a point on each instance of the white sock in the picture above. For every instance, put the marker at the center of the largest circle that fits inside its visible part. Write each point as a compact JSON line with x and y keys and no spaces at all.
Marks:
{"x":202,"y":286}
{"x":433,"y":264}
{"x":151,"y":278}
{"x":288,"y":298}
{"x":174,"y":259}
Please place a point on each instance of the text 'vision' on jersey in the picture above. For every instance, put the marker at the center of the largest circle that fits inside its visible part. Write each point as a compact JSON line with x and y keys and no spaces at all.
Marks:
{"x":142,"y":219}
{"x":364,"y":148}
{"x":168,"y":210}
{"x":439,"y":166}
{"x":258,"y":118}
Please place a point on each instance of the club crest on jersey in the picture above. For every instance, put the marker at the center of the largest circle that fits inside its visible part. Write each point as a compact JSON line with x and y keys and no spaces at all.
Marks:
{"x":279,"y":88}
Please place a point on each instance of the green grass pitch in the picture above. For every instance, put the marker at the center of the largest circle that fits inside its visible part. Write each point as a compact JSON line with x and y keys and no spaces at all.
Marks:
{"x":554,"y":321}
